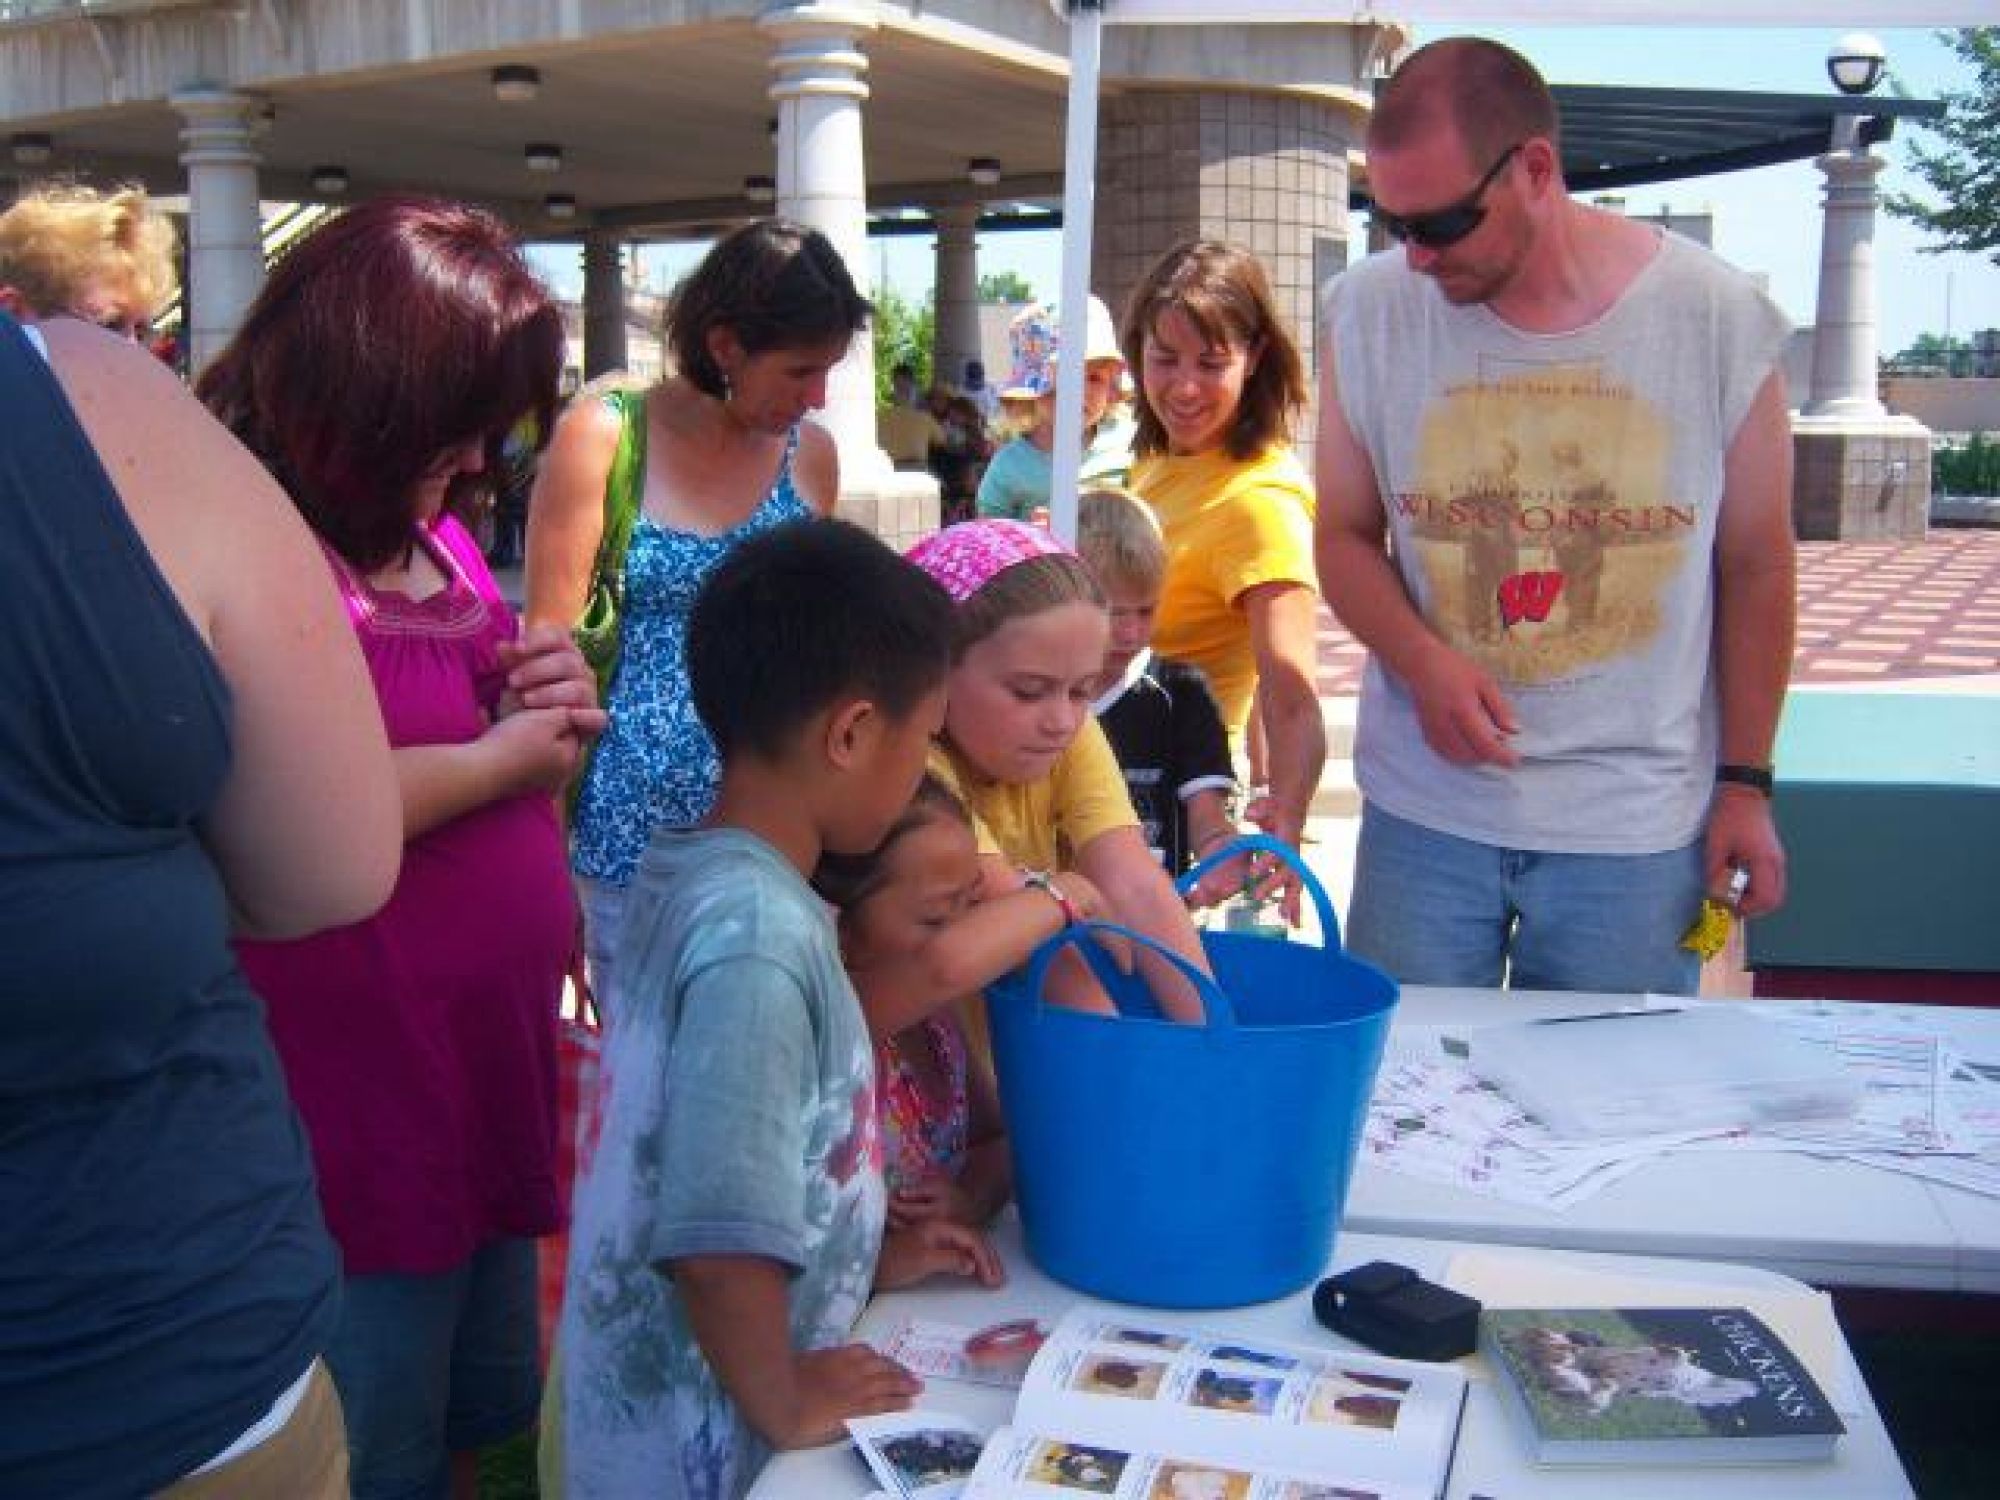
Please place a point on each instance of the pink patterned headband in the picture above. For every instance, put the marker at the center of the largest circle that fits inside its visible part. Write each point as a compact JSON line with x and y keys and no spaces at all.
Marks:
{"x":966,"y":557}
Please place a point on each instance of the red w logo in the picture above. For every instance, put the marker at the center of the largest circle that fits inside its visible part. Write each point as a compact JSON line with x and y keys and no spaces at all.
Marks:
{"x":1529,"y":596}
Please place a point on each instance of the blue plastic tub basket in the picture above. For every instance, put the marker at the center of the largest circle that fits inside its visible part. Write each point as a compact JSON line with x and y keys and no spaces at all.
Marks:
{"x":1192,"y":1166}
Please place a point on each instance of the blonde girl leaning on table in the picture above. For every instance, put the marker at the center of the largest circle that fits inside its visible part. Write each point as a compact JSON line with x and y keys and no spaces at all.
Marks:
{"x":916,"y":937}
{"x":1021,"y":748}
{"x":1219,"y":382}
{"x":725,"y":453}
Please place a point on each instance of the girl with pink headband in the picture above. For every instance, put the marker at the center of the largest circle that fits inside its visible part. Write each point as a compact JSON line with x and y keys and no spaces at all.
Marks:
{"x":1020,"y":745}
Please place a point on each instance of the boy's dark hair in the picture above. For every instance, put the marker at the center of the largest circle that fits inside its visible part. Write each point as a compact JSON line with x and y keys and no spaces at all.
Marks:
{"x":846,"y":880}
{"x":802,"y":616}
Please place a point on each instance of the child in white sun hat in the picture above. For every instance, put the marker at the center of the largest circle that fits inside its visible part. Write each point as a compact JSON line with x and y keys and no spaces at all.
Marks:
{"x":1016,"y":485}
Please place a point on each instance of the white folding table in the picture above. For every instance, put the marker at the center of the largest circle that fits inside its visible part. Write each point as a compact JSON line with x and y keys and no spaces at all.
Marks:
{"x":1825,"y":1221}
{"x":1490,"y":1459}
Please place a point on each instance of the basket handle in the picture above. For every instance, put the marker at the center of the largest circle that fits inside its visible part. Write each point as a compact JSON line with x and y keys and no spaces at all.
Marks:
{"x":1259,"y":843}
{"x":1126,"y":990}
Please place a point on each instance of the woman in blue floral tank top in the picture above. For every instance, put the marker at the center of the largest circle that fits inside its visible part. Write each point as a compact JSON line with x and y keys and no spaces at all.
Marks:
{"x":753,"y":332}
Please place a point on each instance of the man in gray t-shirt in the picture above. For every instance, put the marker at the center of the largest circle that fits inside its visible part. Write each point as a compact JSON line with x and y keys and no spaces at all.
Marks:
{"x":1555,"y":503}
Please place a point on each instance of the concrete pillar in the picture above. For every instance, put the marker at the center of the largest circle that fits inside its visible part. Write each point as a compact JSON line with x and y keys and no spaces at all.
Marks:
{"x":819,"y":89}
{"x":1858,"y":472}
{"x":956,"y":299}
{"x":603,"y":303}
{"x":819,"y":86}
{"x":1843,"y":367}
{"x":1264,"y":169}
{"x":225,"y":246}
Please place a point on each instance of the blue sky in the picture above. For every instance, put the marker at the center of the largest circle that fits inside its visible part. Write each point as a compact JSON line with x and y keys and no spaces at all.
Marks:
{"x":1766,"y":220}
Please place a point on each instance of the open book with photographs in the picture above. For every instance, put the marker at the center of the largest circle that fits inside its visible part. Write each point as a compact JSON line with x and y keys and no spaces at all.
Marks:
{"x":1115,"y":1406}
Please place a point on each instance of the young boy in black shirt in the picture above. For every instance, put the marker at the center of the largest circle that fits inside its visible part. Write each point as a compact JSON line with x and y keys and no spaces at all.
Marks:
{"x":1158,"y":713}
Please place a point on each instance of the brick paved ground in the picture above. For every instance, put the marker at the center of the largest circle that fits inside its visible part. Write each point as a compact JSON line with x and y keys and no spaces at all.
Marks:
{"x":1868,"y":611}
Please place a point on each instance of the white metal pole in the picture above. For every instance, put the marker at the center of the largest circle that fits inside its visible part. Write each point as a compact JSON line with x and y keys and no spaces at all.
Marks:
{"x":1079,"y":209}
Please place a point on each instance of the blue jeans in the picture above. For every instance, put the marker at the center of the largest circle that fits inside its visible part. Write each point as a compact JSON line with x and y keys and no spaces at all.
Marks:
{"x":1434,"y":909}
{"x":428,"y":1366}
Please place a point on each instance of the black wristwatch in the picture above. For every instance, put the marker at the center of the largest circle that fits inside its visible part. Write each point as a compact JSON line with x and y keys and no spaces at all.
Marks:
{"x":1756,"y":777}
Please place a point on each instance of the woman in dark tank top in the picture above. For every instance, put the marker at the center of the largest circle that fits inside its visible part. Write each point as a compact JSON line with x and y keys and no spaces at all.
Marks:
{"x":166,"y":1282}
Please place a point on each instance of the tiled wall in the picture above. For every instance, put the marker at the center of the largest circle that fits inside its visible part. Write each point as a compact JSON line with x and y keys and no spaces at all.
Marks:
{"x":1266,"y":170}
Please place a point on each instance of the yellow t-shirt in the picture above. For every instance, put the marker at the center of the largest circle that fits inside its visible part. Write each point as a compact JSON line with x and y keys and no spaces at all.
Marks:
{"x":1230,"y":524}
{"x":1041,"y":824}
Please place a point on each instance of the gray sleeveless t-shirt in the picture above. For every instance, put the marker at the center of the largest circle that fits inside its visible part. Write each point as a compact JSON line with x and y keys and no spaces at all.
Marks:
{"x":1552,"y":502}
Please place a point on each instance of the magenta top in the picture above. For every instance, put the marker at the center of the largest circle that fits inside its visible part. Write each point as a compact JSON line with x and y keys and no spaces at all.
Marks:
{"x":420,"y":1044}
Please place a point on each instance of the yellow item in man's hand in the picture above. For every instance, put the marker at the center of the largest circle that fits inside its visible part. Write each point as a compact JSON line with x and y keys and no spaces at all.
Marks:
{"x":1710,"y":931}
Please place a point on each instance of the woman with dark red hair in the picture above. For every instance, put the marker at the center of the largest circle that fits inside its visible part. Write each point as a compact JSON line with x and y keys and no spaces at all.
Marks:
{"x":376,"y":376}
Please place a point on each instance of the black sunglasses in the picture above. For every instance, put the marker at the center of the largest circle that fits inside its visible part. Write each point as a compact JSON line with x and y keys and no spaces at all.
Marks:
{"x":1444,"y":227}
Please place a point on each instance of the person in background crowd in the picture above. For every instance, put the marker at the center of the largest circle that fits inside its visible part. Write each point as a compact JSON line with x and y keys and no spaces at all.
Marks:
{"x":107,"y":258}
{"x":724,"y":452}
{"x":1016,"y":484}
{"x":188,"y":747}
{"x":959,"y":462}
{"x":908,"y":434}
{"x":983,"y":397}
{"x":420,"y":1044}
{"x":513,"y":483}
{"x":1219,"y":383}
{"x":1566,"y":726}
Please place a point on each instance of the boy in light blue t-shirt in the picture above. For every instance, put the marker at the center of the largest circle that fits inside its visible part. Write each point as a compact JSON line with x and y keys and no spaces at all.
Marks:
{"x":727,"y":1229}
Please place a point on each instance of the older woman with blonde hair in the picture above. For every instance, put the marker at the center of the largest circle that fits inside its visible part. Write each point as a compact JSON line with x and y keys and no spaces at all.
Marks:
{"x":67,"y":250}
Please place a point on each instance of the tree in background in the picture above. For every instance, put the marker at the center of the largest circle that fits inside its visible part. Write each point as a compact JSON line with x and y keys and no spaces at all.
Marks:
{"x":1964,"y":172}
{"x":905,"y":334}
{"x":1004,"y":286}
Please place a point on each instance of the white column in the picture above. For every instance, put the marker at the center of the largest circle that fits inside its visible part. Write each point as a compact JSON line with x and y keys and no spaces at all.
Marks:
{"x":603,"y":303}
{"x":957,"y":294}
{"x":1843,"y":366}
{"x":225,"y":258}
{"x":819,"y":88}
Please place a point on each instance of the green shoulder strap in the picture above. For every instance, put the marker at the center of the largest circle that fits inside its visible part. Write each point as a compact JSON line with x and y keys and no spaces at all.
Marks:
{"x":597,"y":629}
{"x":623,"y":485}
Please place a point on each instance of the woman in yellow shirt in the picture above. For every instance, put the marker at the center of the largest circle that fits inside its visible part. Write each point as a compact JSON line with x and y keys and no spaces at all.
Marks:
{"x":1219,"y":382}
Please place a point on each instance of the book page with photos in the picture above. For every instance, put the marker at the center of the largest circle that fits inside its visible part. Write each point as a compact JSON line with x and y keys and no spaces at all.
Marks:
{"x":1115,"y":1406}
{"x":920,"y":1454}
{"x":995,"y":1355}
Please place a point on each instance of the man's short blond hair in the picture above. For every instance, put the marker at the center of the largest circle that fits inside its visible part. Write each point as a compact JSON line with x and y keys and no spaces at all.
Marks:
{"x":61,"y":240}
{"x":1119,"y":539}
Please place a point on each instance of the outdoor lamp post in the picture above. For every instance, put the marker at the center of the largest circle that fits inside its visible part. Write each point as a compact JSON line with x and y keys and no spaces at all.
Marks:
{"x":1860,"y":471}
{"x":1843,"y":367}
{"x":1855,"y":65}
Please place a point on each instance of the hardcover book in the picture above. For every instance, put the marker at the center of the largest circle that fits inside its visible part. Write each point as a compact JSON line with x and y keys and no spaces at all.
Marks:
{"x":1660,"y":1385}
